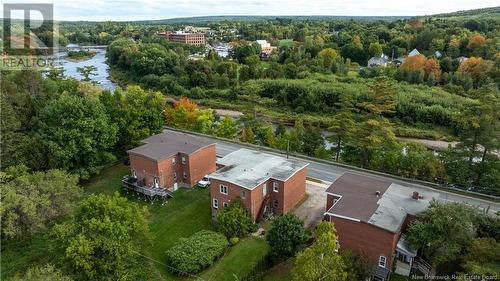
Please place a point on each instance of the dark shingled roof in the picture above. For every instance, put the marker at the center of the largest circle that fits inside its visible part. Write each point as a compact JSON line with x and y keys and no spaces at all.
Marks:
{"x":161,"y":146}
{"x":359,"y":199}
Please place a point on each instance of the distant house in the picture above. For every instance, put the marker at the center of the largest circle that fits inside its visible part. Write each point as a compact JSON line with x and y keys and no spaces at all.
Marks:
{"x":381,"y":61}
{"x":266,"y":49}
{"x":461,"y":59}
{"x":438,"y":54}
{"x":398,"y":61}
{"x":266,"y":184}
{"x":167,"y":161}
{"x":413,"y":53}
{"x":370,"y":216}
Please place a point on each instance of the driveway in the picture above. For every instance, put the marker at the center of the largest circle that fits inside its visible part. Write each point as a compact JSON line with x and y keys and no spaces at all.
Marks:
{"x":312,"y":209}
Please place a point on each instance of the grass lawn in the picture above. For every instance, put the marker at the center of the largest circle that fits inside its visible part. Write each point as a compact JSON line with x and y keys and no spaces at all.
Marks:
{"x":183,"y":215}
{"x":238,"y":261}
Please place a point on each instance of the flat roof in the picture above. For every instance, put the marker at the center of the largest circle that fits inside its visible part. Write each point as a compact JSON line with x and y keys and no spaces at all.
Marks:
{"x":249,"y":168}
{"x":166,"y":144}
{"x":376,"y":201}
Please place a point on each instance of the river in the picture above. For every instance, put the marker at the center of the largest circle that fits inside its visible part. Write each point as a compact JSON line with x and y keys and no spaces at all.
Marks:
{"x":99,"y":61}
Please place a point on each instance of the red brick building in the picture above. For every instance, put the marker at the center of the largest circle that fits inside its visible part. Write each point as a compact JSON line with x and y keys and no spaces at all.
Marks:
{"x":172,"y":159}
{"x":265,"y":183}
{"x":190,"y":38}
{"x":370,"y":215}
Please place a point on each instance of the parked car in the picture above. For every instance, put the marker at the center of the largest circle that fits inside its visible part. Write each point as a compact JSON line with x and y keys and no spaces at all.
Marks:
{"x":204,"y":182}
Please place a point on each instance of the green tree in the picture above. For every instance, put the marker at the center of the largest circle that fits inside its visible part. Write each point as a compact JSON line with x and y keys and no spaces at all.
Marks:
{"x":227,"y":128}
{"x":101,"y":241}
{"x":342,"y":126}
{"x":358,"y":267}
{"x":482,"y":258}
{"x":312,"y":140}
{"x":137,"y":113}
{"x":442,"y":231}
{"x":86,"y":72}
{"x":380,"y":98}
{"x":234,"y":221}
{"x":286,"y":236}
{"x":77,"y":135}
{"x":375,"y":49}
{"x":33,"y":202}
{"x":320,"y":261}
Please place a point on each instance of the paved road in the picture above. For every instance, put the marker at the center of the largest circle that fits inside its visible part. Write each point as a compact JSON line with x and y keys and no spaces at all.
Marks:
{"x":330,"y":173}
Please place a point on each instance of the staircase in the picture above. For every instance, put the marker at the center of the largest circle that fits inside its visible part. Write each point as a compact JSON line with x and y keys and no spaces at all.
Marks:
{"x":423,"y":266}
{"x":265,"y":203}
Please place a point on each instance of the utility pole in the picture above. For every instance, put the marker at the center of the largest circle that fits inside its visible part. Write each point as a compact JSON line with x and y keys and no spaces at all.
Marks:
{"x":287,"y":148}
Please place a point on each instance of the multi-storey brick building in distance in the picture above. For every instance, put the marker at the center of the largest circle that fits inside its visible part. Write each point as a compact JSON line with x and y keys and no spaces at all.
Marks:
{"x":191,"y":38}
{"x":265,"y":183}
{"x":169,"y":160}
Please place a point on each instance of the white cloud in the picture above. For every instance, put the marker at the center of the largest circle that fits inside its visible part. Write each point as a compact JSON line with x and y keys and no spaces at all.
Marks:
{"x":157,"y":9}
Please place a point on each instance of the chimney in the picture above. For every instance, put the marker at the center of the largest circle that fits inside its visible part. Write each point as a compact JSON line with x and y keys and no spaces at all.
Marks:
{"x":415,"y":195}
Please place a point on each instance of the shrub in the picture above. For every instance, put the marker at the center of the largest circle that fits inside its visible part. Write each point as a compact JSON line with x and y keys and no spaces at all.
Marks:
{"x":286,"y":236}
{"x":234,"y":240}
{"x":234,"y":221}
{"x":193,"y":254}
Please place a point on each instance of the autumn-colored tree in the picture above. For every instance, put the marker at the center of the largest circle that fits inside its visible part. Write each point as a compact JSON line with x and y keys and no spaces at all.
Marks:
{"x":413,"y":24}
{"x":356,"y":40}
{"x":476,"y":41}
{"x":476,"y":67}
{"x":413,"y":63}
{"x":327,"y":56}
{"x":432,"y":67}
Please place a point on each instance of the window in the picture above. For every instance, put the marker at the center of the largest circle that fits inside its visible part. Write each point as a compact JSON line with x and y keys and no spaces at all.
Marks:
{"x":215,"y":203}
{"x":382,"y":261}
{"x":275,"y":186}
{"x":173,"y":160}
{"x":264,"y":190}
{"x":243,"y":194}
{"x":156,"y":181}
{"x":224,"y":204}
{"x":183,"y":159}
{"x":185,"y":175}
{"x":134,"y":174}
{"x":223,"y":189}
{"x":275,"y":203}
{"x":175,"y":175}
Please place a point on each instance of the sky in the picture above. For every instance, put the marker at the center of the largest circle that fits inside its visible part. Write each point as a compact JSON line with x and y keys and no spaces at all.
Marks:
{"x":126,"y":10}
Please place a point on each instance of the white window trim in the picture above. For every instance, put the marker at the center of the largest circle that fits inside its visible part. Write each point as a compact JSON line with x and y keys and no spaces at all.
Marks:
{"x":264,"y":190}
{"x":223,"y":187}
{"x":384,"y":263}
{"x":173,"y":161}
{"x":183,"y":159}
{"x":174,"y":175}
{"x":185,"y":175}
{"x":215,"y":203}
{"x":275,"y":186}
{"x":243,"y":194}
{"x":225,"y":204}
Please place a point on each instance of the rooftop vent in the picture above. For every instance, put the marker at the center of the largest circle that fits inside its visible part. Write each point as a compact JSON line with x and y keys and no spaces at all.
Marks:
{"x":377,"y":193}
{"x":415,"y":195}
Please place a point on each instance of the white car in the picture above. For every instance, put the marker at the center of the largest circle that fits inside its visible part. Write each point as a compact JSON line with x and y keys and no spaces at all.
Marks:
{"x":204,"y":182}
